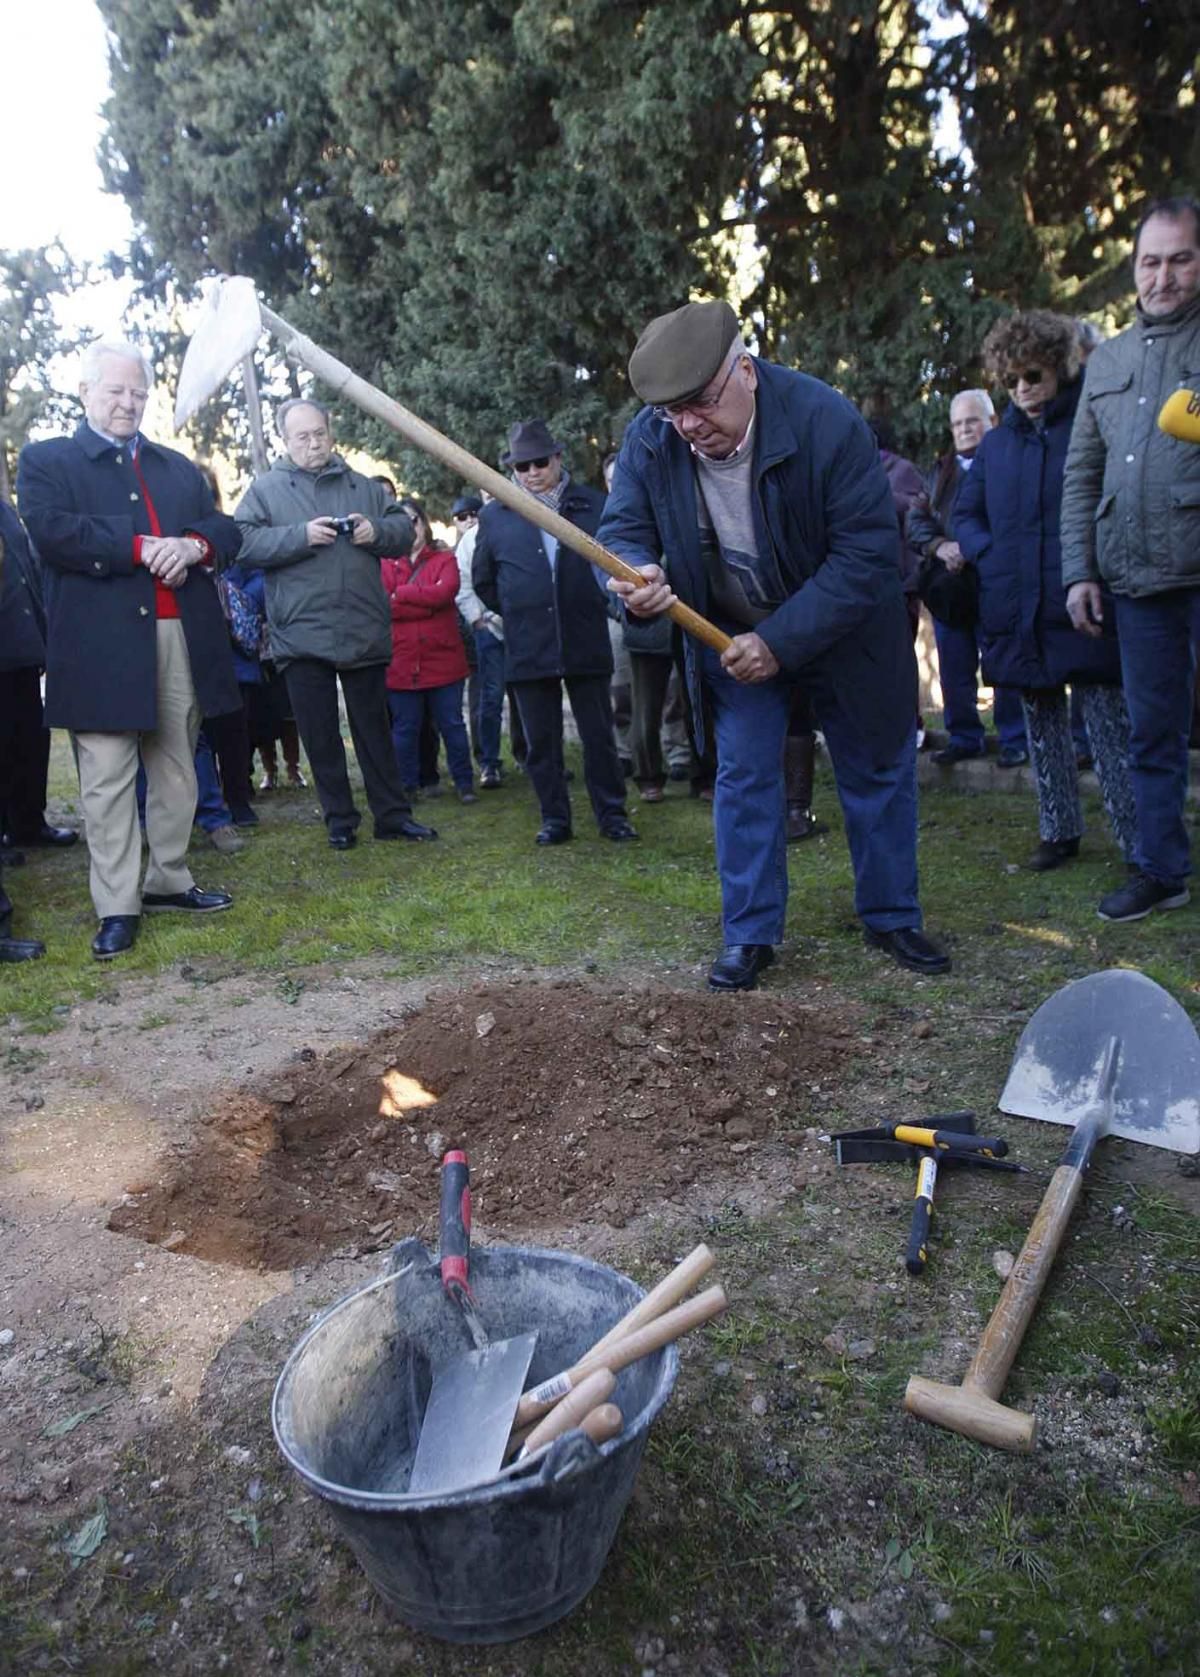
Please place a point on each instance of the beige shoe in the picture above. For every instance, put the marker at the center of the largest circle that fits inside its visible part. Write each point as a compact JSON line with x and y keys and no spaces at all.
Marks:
{"x":226,"y":840}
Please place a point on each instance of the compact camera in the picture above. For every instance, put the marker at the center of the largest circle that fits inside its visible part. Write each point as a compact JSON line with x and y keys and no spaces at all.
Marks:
{"x":345,"y":527}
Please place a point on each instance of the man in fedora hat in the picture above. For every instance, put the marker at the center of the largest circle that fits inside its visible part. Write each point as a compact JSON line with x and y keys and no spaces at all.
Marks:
{"x":763,"y":488}
{"x":555,"y":633}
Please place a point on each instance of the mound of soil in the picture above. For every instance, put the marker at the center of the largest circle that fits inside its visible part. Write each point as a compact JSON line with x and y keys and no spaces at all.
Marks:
{"x":574,"y":1104}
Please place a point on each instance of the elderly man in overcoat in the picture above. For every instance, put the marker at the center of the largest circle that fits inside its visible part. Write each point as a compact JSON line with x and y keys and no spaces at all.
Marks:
{"x":761,"y":492}
{"x":137,"y":649}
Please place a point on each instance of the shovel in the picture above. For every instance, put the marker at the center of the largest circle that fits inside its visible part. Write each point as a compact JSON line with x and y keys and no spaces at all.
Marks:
{"x":1111,"y":1054}
{"x":232,"y":325}
{"x":473,"y":1400}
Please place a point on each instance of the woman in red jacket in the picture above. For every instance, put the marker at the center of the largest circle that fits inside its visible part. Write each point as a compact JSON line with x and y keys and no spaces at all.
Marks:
{"x":429,"y":662}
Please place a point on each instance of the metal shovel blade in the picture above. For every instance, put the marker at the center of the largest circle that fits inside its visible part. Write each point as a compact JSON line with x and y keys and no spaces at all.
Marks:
{"x":469,"y":1417}
{"x":230,"y":326}
{"x":1156,"y":1091}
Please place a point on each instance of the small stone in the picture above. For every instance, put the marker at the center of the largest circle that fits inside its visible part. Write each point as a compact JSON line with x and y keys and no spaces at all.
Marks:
{"x":34,"y":1103}
{"x":987,"y":1637}
{"x":739,"y":1129}
{"x":174,"y":1240}
{"x":485,"y":1023}
{"x":759,"y":1405}
{"x":239,"y":1578}
{"x":835,"y":1344}
{"x":1002,"y":1263}
{"x":859,"y":1350}
{"x":629,"y":1036}
{"x":923,"y":1029}
{"x":1107,"y":1384}
{"x":283,"y":1094}
{"x":378,"y":1133}
{"x":6,"y":1336}
{"x":836,"y":1618}
{"x":236,"y":1453}
{"x":435,"y":1143}
{"x":301,"y":1630}
{"x":942,"y":1611}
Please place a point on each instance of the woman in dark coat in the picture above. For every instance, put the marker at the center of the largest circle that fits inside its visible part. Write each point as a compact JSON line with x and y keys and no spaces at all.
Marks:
{"x":429,"y":663}
{"x":1006,"y":521}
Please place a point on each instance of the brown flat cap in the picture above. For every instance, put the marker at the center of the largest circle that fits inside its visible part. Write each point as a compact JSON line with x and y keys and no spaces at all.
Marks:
{"x":679,"y":353}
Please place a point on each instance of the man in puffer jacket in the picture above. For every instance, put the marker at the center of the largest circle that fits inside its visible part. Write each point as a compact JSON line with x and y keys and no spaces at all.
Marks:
{"x":318,"y":531}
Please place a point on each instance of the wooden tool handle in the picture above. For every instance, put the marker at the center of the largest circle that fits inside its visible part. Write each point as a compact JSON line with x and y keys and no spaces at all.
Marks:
{"x":596,"y":1388}
{"x":604,"y":1422}
{"x":347,"y":383}
{"x":1002,"y":1337}
{"x":618,"y":1355}
{"x":668,"y":1293}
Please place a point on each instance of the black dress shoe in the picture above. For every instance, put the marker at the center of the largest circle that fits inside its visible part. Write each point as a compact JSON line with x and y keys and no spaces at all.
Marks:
{"x":44,"y":837}
{"x":620,"y":832}
{"x":414,"y":830}
{"x":1052,"y":853}
{"x":951,"y":754}
{"x":13,"y":949}
{"x":343,"y":841}
{"x":909,"y":947}
{"x":738,"y":965}
{"x":552,"y":833}
{"x":118,"y":932}
{"x":194,"y":901}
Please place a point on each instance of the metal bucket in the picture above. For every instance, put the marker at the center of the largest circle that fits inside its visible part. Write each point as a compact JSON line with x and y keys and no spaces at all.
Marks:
{"x":500,"y":1560}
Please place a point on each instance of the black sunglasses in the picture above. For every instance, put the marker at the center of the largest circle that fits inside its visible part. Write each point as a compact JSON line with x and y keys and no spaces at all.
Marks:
{"x":532,"y":465}
{"x":1031,"y":375}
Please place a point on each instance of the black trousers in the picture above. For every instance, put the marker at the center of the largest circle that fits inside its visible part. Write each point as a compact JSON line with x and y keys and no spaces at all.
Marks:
{"x":24,"y":754}
{"x":540,"y":705}
{"x":312,"y":688}
{"x":650,"y":674}
{"x":230,"y":740}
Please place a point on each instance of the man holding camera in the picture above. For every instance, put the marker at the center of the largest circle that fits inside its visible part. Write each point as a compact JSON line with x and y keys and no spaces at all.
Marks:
{"x":318,"y":530}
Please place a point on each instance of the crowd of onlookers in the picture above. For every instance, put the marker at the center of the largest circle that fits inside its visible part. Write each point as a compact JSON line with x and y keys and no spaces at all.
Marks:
{"x":1058,"y":543}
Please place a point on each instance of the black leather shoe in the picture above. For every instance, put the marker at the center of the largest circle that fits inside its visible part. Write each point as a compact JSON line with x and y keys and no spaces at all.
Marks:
{"x":414,"y":830}
{"x":738,"y":965}
{"x":194,"y":901}
{"x":118,"y":932}
{"x":552,"y":833}
{"x":910,"y":948}
{"x":45,"y":838}
{"x":489,"y":779}
{"x":13,"y":949}
{"x":1052,"y":853}
{"x":620,"y":832}
{"x":951,"y":754}
{"x":343,"y":841}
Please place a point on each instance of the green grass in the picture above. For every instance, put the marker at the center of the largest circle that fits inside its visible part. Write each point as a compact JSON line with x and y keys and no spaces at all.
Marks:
{"x":486,"y":896}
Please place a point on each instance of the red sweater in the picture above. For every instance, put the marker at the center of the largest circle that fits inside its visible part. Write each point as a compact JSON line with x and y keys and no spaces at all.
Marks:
{"x":427,"y":646}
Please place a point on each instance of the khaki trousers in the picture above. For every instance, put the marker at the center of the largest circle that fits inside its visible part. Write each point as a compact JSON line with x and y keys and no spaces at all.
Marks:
{"x":108,"y":790}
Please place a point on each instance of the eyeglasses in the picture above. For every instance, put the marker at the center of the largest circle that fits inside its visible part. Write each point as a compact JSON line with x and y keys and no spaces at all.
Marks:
{"x":1031,"y":375}
{"x":531,"y":465}
{"x":700,"y":404}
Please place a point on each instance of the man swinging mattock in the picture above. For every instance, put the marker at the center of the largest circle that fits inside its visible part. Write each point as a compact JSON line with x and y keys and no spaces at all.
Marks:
{"x":764,"y":488}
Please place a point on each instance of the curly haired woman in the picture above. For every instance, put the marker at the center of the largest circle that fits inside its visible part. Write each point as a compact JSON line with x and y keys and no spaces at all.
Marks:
{"x":1006,"y":521}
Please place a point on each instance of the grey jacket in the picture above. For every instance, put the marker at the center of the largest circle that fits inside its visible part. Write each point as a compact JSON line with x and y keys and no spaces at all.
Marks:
{"x":322,"y":602}
{"x":1131,"y":499}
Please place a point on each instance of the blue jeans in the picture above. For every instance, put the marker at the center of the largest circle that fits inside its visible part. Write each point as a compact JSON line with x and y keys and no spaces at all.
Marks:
{"x":1158,"y":666}
{"x":444,"y":705}
{"x":489,"y":679}
{"x":879,"y":803}
{"x":958,"y":662}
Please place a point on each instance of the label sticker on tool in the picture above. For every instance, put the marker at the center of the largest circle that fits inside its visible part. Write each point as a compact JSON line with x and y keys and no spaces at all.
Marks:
{"x":550,"y":1390}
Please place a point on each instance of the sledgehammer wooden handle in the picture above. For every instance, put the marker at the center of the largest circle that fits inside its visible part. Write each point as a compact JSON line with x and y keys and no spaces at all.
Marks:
{"x":618,"y":1355}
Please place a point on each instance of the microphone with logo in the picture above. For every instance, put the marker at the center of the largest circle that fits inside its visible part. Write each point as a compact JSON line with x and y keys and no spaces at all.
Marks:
{"x":1180,"y":416}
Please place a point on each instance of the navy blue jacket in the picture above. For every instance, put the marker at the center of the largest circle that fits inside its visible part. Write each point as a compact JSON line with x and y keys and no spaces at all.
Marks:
{"x":82,"y":504}
{"x":824,"y":516}
{"x":555,"y":624}
{"x":1006,"y":520}
{"x":22,"y":613}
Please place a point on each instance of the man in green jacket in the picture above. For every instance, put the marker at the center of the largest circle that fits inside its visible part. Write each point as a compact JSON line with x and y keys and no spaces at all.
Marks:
{"x":318,"y":531}
{"x":1131,"y":520}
